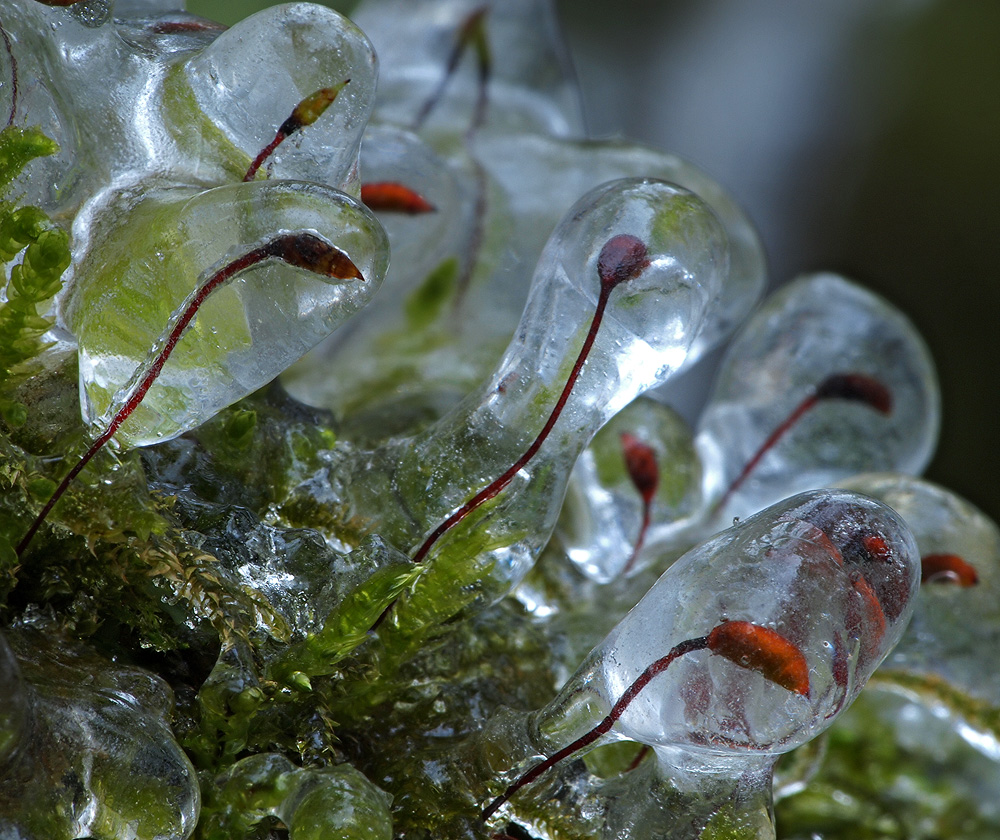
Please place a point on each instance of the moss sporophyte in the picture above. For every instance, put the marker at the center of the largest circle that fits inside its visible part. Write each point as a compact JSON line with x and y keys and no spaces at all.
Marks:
{"x":313,"y":574}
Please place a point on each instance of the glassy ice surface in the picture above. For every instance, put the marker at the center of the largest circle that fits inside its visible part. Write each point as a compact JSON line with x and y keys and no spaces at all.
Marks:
{"x":803,"y":568}
{"x":125,"y":300}
{"x":647,"y":327}
{"x":245,"y":94}
{"x":375,"y":385}
{"x":953,"y":624}
{"x":818,"y":326}
{"x":312,"y":803}
{"x":602,"y":516}
{"x":539,"y":174}
{"x":96,"y":756}
{"x":531,"y":83}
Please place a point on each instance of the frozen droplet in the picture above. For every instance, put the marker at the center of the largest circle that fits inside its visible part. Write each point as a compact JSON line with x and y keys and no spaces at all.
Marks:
{"x":602,"y":516}
{"x":429,"y":253}
{"x":146,"y":263}
{"x":585,"y":348}
{"x":541,"y":176}
{"x":246,"y":94}
{"x":849,"y":372}
{"x":531,"y":83}
{"x":953,"y":624}
{"x":803,"y":569}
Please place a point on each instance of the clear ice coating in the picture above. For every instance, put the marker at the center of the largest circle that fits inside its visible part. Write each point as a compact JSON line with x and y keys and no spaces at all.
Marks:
{"x":955,"y":621}
{"x":834,"y":573}
{"x":93,"y":754}
{"x":312,"y":804}
{"x":158,"y":115}
{"x":530,"y":78}
{"x":124,"y":301}
{"x":245,"y":94}
{"x":368,"y":382}
{"x":602,"y":516}
{"x":440,"y":327}
{"x":648,"y":325}
{"x":817,"y":328}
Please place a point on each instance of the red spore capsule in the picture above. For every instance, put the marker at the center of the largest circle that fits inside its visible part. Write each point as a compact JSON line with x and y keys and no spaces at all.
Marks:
{"x":763,"y":650}
{"x":640,"y":461}
{"x":393,"y":197}
{"x":947,"y":568}
{"x":623,"y":257}
{"x":858,"y":387}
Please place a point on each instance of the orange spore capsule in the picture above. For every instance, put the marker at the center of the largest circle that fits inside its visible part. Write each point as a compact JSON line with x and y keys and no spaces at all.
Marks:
{"x":640,"y":461}
{"x":393,"y":197}
{"x":761,"y":649}
{"x":876,"y":546}
{"x":947,"y":568}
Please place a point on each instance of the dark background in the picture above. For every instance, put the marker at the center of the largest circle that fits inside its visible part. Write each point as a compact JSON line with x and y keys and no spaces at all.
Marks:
{"x":861,"y":137}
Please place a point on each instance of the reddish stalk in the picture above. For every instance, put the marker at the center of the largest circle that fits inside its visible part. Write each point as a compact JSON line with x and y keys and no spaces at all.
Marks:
{"x":472,"y":31}
{"x":394,"y":197}
{"x":744,"y":644}
{"x":13,"y":74}
{"x":947,"y":568}
{"x":305,"y":113}
{"x":856,"y":387}
{"x":303,"y":250}
{"x":640,"y":461}
{"x":623,"y":258}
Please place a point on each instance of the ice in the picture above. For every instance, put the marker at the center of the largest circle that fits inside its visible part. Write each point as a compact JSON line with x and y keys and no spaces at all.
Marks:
{"x":149,"y":255}
{"x":602,"y":515}
{"x":298,"y":49}
{"x":819,"y":326}
{"x":357,"y":368}
{"x":312,"y":803}
{"x":540,"y":175}
{"x":95,"y":756}
{"x":531,"y":85}
{"x":397,"y":369}
{"x":648,"y":325}
{"x":952,"y":625}
{"x":802,"y":568}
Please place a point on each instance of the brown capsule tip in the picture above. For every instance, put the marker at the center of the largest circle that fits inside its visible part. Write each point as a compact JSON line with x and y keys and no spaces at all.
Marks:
{"x":393,"y":197}
{"x":623,"y":257}
{"x":640,"y":461}
{"x":311,"y":109}
{"x":947,"y":568}
{"x":858,"y":387}
{"x":308,"y":251}
{"x":762,"y":650}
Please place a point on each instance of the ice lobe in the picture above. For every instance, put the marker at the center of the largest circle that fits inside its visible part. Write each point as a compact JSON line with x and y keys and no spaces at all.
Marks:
{"x":820,"y":329}
{"x":801,"y":568}
{"x":124,"y":300}
{"x":297,"y":49}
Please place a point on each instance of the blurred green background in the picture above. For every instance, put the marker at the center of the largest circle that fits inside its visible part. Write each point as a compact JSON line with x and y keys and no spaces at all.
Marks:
{"x":861,"y":137}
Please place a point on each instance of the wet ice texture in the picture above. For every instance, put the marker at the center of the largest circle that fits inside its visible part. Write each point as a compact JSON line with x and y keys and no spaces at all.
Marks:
{"x":86,"y":748}
{"x":531,"y":84}
{"x":817,"y":326}
{"x":126,"y":298}
{"x":298,"y":48}
{"x":602,"y":515}
{"x":179,"y":112}
{"x":313,"y":804}
{"x":648,"y":326}
{"x":381,"y":387}
{"x":952,"y":626}
{"x":806,"y":568}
